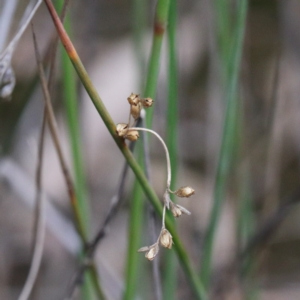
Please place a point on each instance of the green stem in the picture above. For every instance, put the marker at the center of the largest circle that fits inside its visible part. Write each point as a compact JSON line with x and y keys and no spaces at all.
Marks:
{"x":160,"y":24}
{"x":170,"y":275}
{"x":71,"y":103}
{"x":148,"y":190}
{"x":134,"y":237}
{"x":228,"y":140}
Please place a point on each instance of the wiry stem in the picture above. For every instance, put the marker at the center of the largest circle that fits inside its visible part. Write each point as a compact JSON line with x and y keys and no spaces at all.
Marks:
{"x":163,"y":218}
{"x":40,"y":223}
{"x":166,"y":150}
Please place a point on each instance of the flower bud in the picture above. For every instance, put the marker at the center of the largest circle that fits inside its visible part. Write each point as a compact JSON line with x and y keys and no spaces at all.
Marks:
{"x":177,"y":210}
{"x":132,"y":135}
{"x":121,"y":129}
{"x":166,"y":239}
{"x":185,"y":192}
{"x":135,"y":110}
{"x":152,"y":252}
{"x":133,"y":99}
{"x":147,"y":102}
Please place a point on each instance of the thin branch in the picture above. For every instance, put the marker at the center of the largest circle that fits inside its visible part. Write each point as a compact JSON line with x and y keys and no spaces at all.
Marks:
{"x":40,"y":222}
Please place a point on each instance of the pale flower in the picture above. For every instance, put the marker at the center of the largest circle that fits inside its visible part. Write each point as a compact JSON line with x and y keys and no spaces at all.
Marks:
{"x":166,"y":239}
{"x":185,"y":191}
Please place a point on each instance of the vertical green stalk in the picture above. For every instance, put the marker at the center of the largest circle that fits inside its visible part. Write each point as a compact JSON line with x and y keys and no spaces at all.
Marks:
{"x":134,"y":239}
{"x":139,"y":16}
{"x":69,"y":83}
{"x":160,"y":23}
{"x":159,"y":29}
{"x":71,"y":104}
{"x":136,"y":213}
{"x":229,"y":133}
{"x":170,"y":261}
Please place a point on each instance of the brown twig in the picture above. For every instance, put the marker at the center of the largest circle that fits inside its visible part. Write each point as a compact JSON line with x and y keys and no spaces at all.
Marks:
{"x":39,"y":223}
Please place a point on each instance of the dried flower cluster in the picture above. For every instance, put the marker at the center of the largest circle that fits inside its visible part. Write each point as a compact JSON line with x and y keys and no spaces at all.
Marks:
{"x":131,"y":133}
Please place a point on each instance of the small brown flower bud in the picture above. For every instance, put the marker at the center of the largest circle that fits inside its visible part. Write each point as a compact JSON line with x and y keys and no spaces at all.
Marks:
{"x":166,"y":239}
{"x":132,"y":135}
{"x":135,"y":110}
{"x":147,"y":102}
{"x":185,"y":192}
{"x":177,"y":210}
{"x":133,"y":99}
{"x":152,"y":252}
{"x":121,"y":129}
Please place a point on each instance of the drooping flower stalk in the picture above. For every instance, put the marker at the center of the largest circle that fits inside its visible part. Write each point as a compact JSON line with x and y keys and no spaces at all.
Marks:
{"x":165,"y":148}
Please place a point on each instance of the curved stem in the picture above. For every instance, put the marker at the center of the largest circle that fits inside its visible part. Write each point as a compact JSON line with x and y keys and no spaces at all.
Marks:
{"x":165,"y":147}
{"x":163,"y":219}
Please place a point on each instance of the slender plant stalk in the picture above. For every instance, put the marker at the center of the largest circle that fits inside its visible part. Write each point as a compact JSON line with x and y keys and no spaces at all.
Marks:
{"x":183,"y":256}
{"x":159,"y":28}
{"x":39,"y":222}
{"x":170,"y":271}
{"x":139,"y":18}
{"x":136,"y":212}
{"x":71,"y":191}
{"x":160,"y":24}
{"x":134,"y":239}
{"x":71,"y":105}
{"x":228,"y":139}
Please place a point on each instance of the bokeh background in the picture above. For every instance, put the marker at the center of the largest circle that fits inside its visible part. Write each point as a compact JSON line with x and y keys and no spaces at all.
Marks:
{"x":256,"y":254}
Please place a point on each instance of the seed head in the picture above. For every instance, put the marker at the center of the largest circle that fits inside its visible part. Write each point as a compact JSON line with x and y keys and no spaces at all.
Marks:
{"x":135,"y":110}
{"x":185,"y":191}
{"x":152,"y":252}
{"x":121,"y":129}
{"x":166,"y":239}
{"x":132,"y":135}
{"x":147,"y":102}
{"x":178,"y":210}
{"x":133,"y":99}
